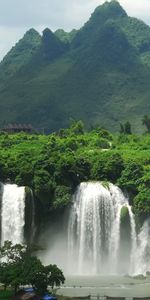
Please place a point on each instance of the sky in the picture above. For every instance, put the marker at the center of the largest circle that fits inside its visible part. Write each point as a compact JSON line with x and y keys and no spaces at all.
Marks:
{"x":17,"y":16}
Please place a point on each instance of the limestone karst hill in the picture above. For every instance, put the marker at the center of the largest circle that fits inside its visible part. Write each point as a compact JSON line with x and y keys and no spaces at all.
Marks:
{"x":100,"y":74}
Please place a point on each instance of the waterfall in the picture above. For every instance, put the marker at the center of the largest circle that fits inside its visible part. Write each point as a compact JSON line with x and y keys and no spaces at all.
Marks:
{"x":94,"y":229}
{"x":133,"y":241}
{"x":33,"y":228}
{"x":12,"y":213}
{"x":142,"y":255}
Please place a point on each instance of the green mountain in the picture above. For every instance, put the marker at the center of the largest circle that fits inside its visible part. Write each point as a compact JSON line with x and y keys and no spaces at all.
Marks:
{"x":100,"y":74}
{"x":21,"y":54}
{"x":64,"y":36}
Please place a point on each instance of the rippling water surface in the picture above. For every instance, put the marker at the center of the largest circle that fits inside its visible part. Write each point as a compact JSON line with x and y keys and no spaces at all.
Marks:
{"x":105,"y":286}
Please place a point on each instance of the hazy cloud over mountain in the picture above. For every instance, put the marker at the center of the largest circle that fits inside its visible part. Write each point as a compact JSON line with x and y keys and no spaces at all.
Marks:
{"x":17,"y":16}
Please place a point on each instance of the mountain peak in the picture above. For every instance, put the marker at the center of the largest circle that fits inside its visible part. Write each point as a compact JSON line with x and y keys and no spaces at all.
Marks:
{"x":52,"y":47}
{"x":65,"y":37}
{"x":107,"y":12}
{"x":101,"y":77}
{"x":21,"y":53}
{"x":32,"y":33}
{"x":110,"y":9}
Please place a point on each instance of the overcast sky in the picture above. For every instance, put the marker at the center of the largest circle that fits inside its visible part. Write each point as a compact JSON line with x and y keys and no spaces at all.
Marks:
{"x":17,"y":16}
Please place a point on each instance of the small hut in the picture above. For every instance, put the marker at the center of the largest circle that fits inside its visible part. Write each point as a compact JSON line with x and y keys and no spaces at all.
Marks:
{"x":16,"y":128}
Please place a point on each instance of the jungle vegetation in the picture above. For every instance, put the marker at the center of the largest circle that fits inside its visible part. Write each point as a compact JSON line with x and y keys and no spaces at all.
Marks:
{"x":19,"y":267}
{"x":53,"y":165}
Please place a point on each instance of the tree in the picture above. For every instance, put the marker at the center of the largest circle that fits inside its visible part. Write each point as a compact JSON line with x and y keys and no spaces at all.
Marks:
{"x":19,"y":267}
{"x":12,"y":253}
{"x":77,"y":127}
{"x":131,"y":176}
{"x":146,"y":122}
{"x":46,"y":276}
{"x":125,"y":128}
{"x":56,"y":275}
{"x":121,"y":128}
{"x":107,"y":167}
{"x":142,"y":202}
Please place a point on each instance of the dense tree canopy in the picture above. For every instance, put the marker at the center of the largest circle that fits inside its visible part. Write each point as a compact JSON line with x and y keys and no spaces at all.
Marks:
{"x":19,"y":267}
{"x":53,"y":165}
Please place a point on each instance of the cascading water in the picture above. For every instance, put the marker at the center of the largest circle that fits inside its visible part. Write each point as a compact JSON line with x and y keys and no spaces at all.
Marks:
{"x":95,"y":233}
{"x":33,"y":228}
{"x":133,"y":241}
{"x":94,"y":228}
{"x":142,"y":255}
{"x":12,"y":213}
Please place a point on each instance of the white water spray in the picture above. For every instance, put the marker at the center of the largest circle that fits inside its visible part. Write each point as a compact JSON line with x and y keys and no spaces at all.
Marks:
{"x":94,"y":228}
{"x":12,"y":213}
{"x":142,"y":255}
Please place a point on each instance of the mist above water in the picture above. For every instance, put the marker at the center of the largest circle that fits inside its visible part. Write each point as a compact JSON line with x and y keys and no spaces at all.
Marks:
{"x":94,"y":239}
{"x":142,"y":254}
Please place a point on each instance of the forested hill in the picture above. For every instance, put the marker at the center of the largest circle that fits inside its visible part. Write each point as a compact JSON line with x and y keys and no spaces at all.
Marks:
{"x":100,"y":74}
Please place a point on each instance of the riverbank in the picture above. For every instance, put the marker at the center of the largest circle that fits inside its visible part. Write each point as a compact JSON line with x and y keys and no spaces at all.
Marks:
{"x":8,"y":295}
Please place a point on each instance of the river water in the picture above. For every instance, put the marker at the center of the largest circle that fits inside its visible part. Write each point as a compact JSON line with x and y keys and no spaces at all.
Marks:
{"x":113,"y":286}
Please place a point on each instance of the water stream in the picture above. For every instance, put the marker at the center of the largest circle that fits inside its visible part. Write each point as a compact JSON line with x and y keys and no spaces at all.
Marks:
{"x":12,"y":213}
{"x":94,"y":230}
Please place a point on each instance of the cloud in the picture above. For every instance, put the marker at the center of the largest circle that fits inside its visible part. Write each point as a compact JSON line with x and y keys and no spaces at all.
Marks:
{"x":56,"y":13}
{"x":8,"y":38}
{"x":138,"y":8}
{"x":17,"y":16}
{"x":60,"y":13}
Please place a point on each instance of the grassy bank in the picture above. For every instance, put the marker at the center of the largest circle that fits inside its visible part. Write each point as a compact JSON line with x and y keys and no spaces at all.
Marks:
{"x":6,"y":295}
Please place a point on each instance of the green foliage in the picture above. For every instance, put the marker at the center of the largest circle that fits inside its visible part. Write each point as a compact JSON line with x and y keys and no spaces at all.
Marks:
{"x":142,"y":202}
{"x":53,"y":165}
{"x":105,"y":134}
{"x":138,"y":33}
{"x":107,"y":167}
{"x":12,"y":253}
{"x":21,"y":54}
{"x":51,"y":47}
{"x":124,"y":215}
{"x":66,"y":37}
{"x":6,"y":294}
{"x":126,"y":128}
{"x":11,"y":265}
{"x":43,"y":187}
{"x":77,"y":127}
{"x":25,"y":175}
{"x":19,"y":267}
{"x":130,"y":177}
{"x":96,"y":74}
{"x":105,"y":184}
{"x":63,"y":195}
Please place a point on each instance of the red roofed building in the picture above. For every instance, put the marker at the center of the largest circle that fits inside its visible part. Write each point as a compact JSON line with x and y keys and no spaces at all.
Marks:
{"x":16,"y":128}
